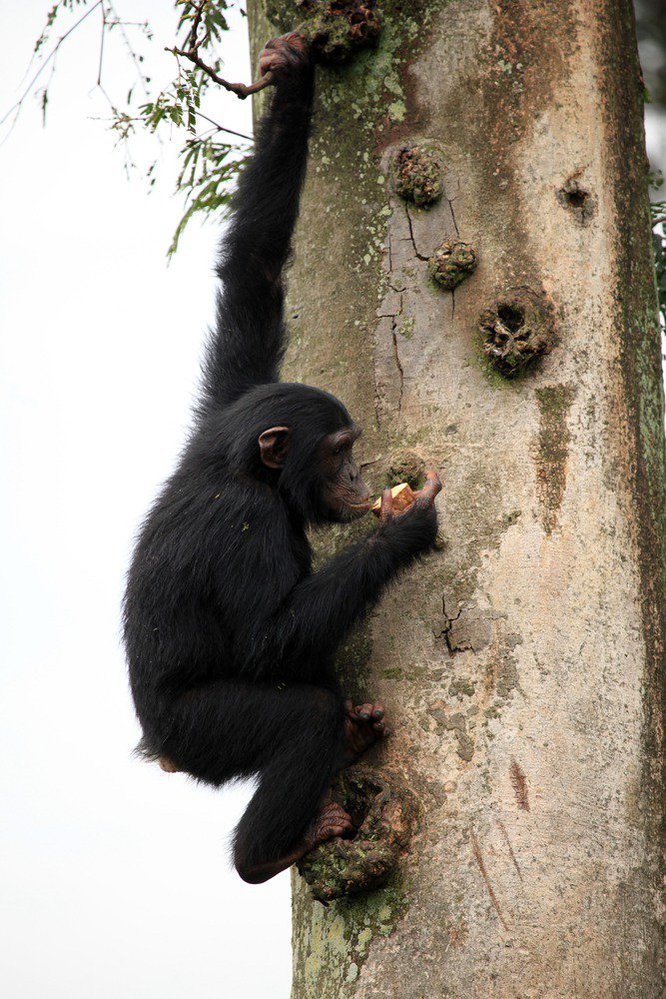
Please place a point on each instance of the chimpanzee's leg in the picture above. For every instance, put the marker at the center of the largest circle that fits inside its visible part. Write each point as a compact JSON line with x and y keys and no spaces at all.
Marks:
{"x":294,"y":738}
{"x":287,"y":816}
{"x":295,"y":780}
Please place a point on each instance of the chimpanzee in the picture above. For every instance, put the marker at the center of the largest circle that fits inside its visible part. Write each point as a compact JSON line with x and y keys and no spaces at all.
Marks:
{"x":230,"y":636}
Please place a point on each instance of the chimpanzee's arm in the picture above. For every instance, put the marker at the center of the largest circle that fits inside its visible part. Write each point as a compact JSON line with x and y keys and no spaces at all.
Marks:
{"x":249,"y":337}
{"x":323,"y":607}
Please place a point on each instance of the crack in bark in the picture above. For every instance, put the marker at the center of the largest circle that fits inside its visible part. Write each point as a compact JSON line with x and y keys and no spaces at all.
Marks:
{"x":453,"y":215}
{"x":396,"y":355}
{"x":376,"y":399}
{"x":393,"y":316}
{"x":411,"y":235}
{"x":446,"y":633}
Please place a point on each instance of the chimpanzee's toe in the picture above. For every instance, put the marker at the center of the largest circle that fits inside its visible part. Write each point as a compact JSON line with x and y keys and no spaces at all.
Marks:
{"x":331,"y":821}
{"x":364,"y":725}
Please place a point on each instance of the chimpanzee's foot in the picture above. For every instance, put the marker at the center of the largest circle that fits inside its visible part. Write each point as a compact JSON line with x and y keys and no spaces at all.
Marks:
{"x":331,"y":820}
{"x":364,"y":725}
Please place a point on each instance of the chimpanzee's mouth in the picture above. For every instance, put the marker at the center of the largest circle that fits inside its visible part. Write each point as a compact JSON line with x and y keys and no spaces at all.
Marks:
{"x":365,"y":505}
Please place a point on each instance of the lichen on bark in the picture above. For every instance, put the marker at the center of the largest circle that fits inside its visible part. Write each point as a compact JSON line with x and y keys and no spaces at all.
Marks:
{"x":336,"y":29}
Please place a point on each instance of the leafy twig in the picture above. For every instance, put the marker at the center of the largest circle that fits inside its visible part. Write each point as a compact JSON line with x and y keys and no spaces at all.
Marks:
{"x":191,"y":52}
{"x":208,"y":162}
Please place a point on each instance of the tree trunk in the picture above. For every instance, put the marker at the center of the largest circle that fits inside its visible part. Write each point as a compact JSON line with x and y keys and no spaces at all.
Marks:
{"x":522,"y":663}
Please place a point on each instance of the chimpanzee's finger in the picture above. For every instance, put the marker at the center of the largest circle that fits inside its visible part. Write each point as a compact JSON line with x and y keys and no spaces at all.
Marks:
{"x":267,"y":62}
{"x":295,"y":40}
{"x":364,"y":711}
{"x":433,"y":486}
{"x":378,"y":712}
{"x":283,"y":46}
{"x":387,"y":505}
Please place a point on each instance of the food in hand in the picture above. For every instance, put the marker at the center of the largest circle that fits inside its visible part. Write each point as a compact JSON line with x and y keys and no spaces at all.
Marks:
{"x":402,"y":495}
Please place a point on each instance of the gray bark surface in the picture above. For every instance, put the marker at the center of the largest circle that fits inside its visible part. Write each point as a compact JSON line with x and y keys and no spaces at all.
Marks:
{"x":522,"y":665}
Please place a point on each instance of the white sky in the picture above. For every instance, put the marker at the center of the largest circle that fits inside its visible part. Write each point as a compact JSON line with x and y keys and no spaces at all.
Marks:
{"x":115,"y":880}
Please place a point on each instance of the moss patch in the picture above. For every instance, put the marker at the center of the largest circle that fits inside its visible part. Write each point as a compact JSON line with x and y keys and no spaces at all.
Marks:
{"x":418,"y":172}
{"x":451,"y":263}
{"x":384,"y":812}
{"x":456,"y":723}
{"x":406,"y":328}
{"x":407,"y":466}
{"x":336,"y":29}
{"x":462,"y":686}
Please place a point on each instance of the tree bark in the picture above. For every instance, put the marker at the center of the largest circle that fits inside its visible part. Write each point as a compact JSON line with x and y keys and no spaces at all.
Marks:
{"x":522,"y":665}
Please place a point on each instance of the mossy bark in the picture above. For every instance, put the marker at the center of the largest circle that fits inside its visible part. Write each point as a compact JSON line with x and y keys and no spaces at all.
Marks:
{"x":522,"y":664}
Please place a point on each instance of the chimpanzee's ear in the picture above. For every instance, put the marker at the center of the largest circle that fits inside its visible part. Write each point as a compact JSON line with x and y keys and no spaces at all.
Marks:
{"x":274,"y":445}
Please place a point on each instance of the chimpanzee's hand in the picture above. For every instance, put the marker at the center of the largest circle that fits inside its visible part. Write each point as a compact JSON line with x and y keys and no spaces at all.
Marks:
{"x":419,"y":521}
{"x":284,"y":55}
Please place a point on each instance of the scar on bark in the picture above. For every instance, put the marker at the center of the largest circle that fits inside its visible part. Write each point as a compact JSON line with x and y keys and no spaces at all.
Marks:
{"x":517,"y":330}
{"x":478,"y":856}
{"x":575,"y":197}
{"x":510,"y":848}
{"x":384,"y":812}
{"x":519,"y":782}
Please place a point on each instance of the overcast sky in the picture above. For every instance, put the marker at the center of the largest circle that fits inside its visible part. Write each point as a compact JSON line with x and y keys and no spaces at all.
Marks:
{"x":115,"y":880}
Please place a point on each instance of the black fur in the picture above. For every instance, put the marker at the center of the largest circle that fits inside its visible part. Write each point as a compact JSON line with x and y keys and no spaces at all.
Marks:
{"x":230,"y":636}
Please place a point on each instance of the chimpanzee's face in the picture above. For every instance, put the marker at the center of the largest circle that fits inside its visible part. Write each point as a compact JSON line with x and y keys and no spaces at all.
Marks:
{"x":345,"y":495}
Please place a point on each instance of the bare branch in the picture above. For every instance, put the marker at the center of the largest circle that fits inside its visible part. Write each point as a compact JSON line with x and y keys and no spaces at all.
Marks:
{"x":50,"y":57}
{"x":240,"y":89}
{"x":128,"y":45}
{"x":221,"y":128}
{"x":101,"y":47}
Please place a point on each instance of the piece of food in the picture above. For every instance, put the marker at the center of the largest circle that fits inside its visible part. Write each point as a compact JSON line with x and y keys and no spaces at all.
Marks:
{"x":403,"y":496}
